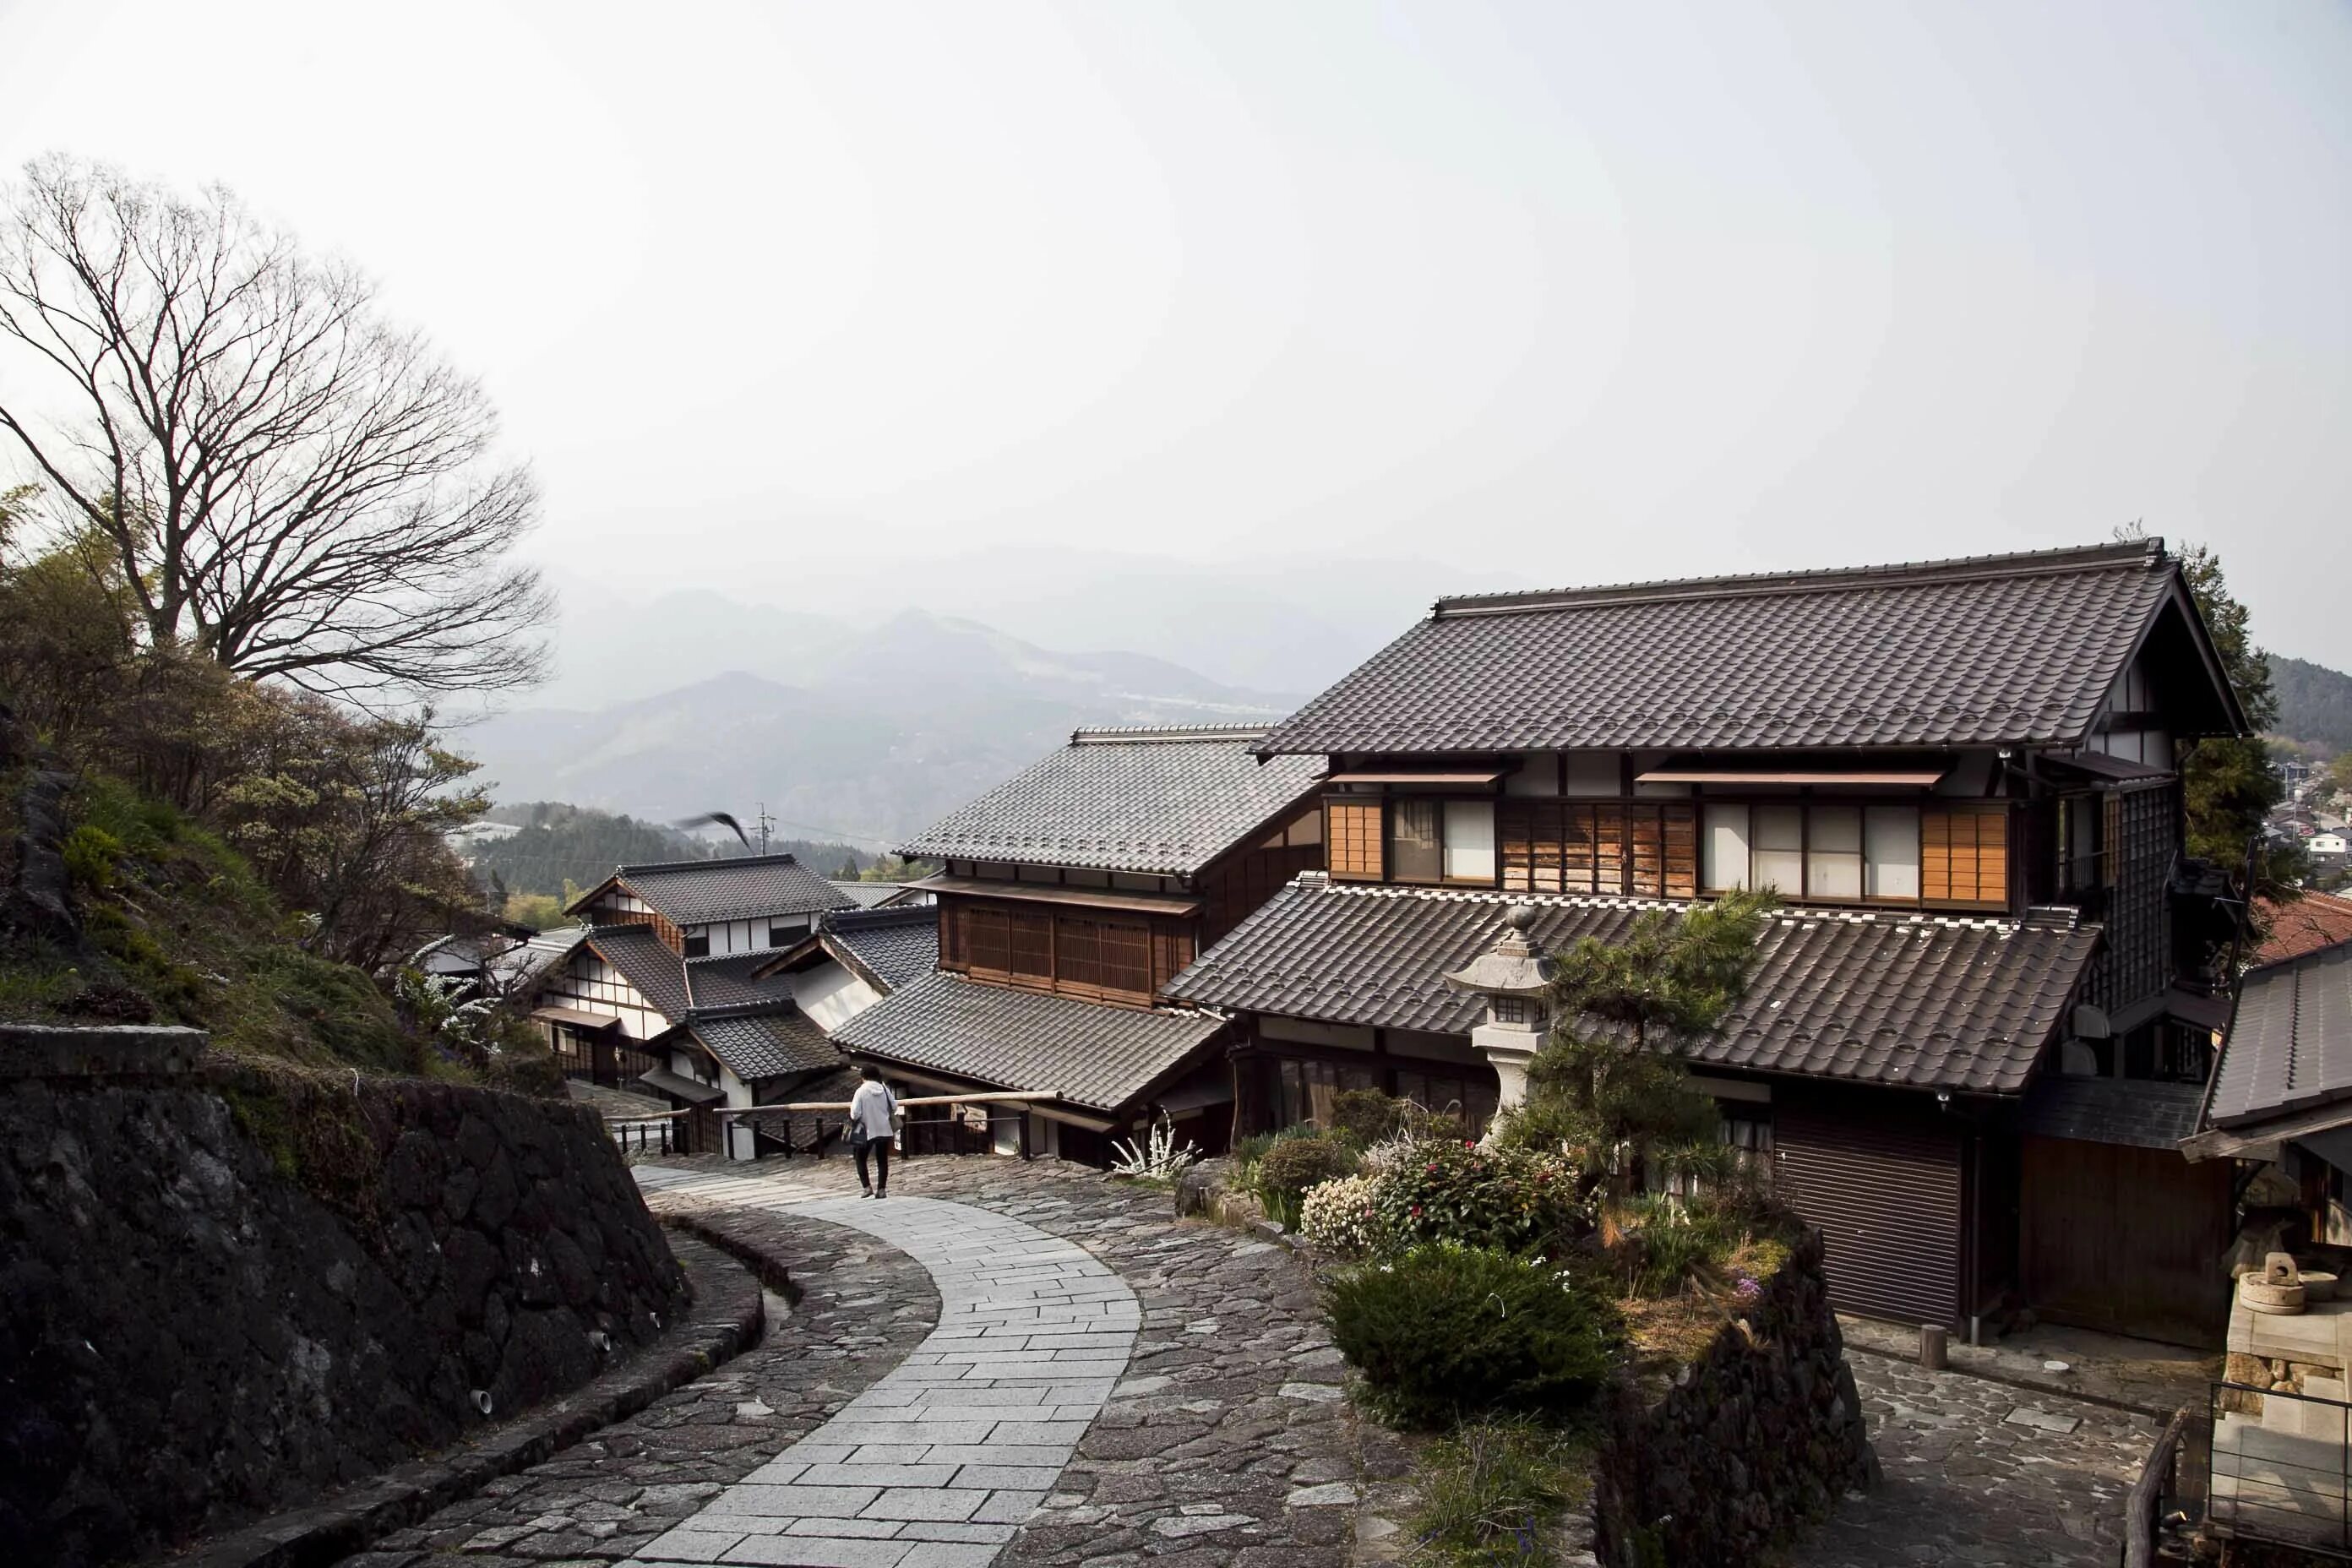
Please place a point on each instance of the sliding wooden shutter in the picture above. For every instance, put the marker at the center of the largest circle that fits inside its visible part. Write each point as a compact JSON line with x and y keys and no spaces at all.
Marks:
{"x":1352,"y":833}
{"x":1964,"y":854}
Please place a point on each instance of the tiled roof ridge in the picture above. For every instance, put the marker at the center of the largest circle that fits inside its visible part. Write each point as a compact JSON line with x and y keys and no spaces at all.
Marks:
{"x":2006,"y":925}
{"x":1112,"y":734}
{"x":737,"y":1010}
{"x":2145,"y":553}
{"x":779,"y":857}
{"x":881,"y":919}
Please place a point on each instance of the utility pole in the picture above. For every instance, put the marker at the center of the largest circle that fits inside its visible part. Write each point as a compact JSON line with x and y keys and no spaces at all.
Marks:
{"x":765,"y":823}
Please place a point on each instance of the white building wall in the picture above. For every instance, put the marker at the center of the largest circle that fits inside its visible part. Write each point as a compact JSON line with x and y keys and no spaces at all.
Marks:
{"x":587,"y":981}
{"x":831,"y":995}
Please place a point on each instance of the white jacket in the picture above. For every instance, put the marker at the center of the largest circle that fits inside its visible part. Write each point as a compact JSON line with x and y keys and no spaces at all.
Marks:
{"x":870,"y":1110}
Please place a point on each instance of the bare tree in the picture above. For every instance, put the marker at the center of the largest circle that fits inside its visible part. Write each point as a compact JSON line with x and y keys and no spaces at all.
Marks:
{"x":294,"y":486}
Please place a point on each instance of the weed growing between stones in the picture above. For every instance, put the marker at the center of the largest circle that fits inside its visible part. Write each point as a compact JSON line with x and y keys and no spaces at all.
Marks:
{"x":1492,"y":1490}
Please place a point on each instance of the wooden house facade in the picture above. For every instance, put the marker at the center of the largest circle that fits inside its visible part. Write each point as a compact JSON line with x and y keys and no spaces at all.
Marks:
{"x":1070,"y":895}
{"x":1971,"y":1034}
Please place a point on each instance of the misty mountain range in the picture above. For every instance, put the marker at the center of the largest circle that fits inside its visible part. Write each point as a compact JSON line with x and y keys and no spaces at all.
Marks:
{"x":862,"y":726}
{"x":856,"y":735}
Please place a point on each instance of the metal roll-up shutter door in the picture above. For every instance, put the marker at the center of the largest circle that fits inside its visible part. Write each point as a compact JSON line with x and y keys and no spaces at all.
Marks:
{"x":1884,"y":1191}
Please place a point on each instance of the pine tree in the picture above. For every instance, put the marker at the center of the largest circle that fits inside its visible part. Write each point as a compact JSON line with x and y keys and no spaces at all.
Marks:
{"x":1603,"y":1087}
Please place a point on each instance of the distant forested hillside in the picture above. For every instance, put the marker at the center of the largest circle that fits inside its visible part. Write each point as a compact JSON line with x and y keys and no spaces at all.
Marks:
{"x":559,"y":843}
{"x":2314,"y":703}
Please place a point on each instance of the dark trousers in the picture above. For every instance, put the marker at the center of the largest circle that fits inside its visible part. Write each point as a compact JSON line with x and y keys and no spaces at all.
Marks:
{"x":879,"y":1148}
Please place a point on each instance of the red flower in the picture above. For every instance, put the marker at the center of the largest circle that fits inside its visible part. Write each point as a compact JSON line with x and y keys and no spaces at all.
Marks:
{"x":1416,"y":1209}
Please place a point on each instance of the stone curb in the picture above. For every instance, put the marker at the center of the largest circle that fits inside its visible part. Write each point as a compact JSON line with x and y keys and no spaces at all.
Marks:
{"x":726,"y":1320}
{"x":2024,"y":1384}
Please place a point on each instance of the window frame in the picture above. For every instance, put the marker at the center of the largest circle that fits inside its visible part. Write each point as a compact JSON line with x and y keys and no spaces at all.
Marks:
{"x":1622,"y":858}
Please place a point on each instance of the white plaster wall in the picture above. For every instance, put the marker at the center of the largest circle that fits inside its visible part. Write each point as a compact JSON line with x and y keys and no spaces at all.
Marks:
{"x":832,"y":995}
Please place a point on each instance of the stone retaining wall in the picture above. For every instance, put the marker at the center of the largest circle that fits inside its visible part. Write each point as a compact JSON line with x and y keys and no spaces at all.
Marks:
{"x":1757,"y":1437}
{"x":226,"y":1292}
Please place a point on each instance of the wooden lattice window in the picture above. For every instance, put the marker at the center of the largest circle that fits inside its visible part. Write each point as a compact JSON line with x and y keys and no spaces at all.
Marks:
{"x":1608,"y":848}
{"x":1964,"y":856}
{"x":1352,"y":833}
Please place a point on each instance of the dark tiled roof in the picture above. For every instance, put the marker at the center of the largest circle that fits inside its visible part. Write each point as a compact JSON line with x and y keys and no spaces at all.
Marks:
{"x":1915,"y":1002}
{"x":761,"y":1044}
{"x":699,"y":892}
{"x":899,"y":946}
{"x":656,"y":972}
{"x":2003,"y":649}
{"x":2290,"y":1042}
{"x":1167,"y":802}
{"x":2136,"y":1112}
{"x":727,"y":982}
{"x":2314,"y":920}
{"x":1086,"y":1052}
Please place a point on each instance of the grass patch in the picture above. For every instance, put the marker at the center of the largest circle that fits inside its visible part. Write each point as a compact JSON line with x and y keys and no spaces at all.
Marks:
{"x":1492,"y":1493}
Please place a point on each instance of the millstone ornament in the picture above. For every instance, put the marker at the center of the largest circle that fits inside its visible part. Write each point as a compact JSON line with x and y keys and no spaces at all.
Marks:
{"x":2278,"y":1292}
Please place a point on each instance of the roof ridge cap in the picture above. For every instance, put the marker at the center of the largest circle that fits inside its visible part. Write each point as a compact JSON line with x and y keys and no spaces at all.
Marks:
{"x":777,"y":858}
{"x":1111,"y":734}
{"x":2147,"y":553}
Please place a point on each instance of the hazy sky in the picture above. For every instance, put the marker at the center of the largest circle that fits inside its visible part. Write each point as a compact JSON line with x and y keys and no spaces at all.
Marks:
{"x":1553,"y":293}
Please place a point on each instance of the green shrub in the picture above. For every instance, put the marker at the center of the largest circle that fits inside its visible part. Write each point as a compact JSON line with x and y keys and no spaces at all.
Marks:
{"x":1294,"y":1164}
{"x":92,"y":854}
{"x":1446,"y":1330}
{"x":1505,"y":1198}
{"x":1492,"y":1492}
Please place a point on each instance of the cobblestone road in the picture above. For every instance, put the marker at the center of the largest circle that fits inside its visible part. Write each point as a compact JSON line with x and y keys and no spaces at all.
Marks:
{"x":1968,"y":1480}
{"x":864,"y":1307}
{"x":1227,"y":1442}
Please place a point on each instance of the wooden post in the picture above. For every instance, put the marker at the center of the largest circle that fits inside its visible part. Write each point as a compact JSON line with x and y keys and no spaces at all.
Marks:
{"x":1933,"y":1353}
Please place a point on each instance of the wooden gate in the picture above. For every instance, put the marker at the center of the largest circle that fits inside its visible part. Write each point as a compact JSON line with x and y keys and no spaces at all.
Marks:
{"x":2123,"y":1240}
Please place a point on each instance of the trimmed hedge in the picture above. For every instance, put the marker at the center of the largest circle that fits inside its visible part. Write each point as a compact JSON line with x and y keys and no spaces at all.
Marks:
{"x":1446,"y":1330}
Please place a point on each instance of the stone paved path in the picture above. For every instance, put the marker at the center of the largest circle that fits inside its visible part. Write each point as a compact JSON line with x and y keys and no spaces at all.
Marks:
{"x":936,"y":1465}
{"x":863,"y":1307}
{"x":1228,"y":1443}
{"x":1968,"y":1480}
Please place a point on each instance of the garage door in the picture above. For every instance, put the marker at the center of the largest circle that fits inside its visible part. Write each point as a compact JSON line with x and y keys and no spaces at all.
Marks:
{"x":1886,"y":1194}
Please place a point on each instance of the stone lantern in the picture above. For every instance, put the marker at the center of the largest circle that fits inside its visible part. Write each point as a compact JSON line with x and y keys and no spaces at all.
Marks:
{"x":1515,"y":978}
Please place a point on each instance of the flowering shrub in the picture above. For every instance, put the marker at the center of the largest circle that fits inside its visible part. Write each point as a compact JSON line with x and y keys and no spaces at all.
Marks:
{"x":1447,"y":1329}
{"x":1339,"y":1218}
{"x":1513,"y":1199}
{"x":1285,"y":1172}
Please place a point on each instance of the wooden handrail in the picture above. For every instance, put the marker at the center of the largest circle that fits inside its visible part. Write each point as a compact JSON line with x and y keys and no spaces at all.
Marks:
{"x":2140,"y":1524}
{"x":649,"y":1116}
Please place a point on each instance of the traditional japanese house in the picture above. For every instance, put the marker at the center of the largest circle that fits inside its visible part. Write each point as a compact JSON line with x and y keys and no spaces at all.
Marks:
{"x":2281,"y":1095}
{"x":669,"y":990}
{"x":1070,"y":896}
{"x":1970,"y":1046}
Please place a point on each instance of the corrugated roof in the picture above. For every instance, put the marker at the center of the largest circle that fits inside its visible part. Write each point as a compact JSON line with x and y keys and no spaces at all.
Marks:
{"x":761,"y":1044}
{"x":2289,"y":1042}
{"x":2302,"y":925}
{"x":2013,"y":649}
{"x":1088,"y":1054}
{"x":1916,"y":1002}
{"x":1157,"y":801}
{"x":2139,"y":1113}
{"x":700,"y":892}
{"x":899,"y":945}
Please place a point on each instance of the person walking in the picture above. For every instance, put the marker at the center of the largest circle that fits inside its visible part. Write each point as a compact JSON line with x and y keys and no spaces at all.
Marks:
{"x":872,"y":1110}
